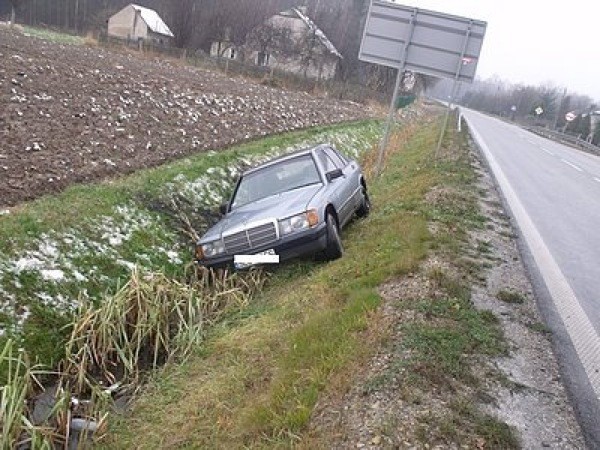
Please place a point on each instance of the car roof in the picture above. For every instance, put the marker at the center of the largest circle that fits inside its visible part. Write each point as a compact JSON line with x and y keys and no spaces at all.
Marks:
{"x":287,"y":156}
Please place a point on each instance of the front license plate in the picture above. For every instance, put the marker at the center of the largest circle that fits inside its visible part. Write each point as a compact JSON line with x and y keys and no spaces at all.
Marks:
{"x":266,"y":257}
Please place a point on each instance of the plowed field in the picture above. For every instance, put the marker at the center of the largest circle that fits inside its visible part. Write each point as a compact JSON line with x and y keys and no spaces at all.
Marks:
{"x":72,"y":114}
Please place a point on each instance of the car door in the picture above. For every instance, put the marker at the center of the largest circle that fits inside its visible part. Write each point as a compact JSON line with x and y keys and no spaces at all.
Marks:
{"x":348,"y":184}
{"x":334,"y":188}
{"x":354,"y":175}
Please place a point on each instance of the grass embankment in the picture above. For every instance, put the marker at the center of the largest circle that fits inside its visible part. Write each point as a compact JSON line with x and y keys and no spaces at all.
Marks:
{"x":256,"y":381}
{"x":84,"y":242}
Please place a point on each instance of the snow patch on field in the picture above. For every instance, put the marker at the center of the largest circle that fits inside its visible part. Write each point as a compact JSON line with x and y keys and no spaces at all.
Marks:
{"x":56,"y":260}
{"x":215,"y":184}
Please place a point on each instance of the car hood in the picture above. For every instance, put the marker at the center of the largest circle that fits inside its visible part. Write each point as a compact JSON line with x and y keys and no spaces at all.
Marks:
{"x":277,"y":206}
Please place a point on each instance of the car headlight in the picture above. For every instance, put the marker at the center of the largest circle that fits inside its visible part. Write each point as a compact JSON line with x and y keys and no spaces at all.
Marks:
{"x":299,"y":222}
{"x":211,"y":249}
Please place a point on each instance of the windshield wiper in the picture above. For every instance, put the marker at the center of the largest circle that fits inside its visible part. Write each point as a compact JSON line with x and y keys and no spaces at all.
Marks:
{"x":302,"y":185}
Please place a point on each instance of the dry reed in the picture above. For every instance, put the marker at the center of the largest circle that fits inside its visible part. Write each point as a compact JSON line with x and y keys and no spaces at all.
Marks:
{"x":150,"y":321}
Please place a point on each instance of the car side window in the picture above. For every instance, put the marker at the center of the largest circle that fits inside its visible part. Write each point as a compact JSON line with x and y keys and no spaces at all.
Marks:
{"x":337,"y":160}
{"x":341,"y":155}
{"x":326,"y":161}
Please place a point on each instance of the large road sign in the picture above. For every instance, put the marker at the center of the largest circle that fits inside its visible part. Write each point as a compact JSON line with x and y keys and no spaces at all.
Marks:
{"x":428,"y":42}
{"x":422,"y":41}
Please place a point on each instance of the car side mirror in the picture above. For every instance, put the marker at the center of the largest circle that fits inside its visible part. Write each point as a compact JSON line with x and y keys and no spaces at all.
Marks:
{"x":334,"y":174}
{"x":223,"y":207}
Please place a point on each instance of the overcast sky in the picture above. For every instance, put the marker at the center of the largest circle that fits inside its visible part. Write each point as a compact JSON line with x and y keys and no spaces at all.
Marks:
{"x":535,"y":41}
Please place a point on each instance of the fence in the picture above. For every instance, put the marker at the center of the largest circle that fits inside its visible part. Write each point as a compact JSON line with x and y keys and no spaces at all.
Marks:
{"x":341,"y":90}
{"x":564,"y":138}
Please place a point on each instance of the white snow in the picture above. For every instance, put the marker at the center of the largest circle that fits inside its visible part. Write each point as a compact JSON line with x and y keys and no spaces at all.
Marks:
{"x":52,"y":274}
{"x":55,"y":257}
{"x":153,"y":20}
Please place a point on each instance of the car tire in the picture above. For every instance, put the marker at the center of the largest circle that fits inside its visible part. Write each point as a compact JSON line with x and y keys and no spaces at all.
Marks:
{"x":365,"y":206}
{"x":334,"y":249}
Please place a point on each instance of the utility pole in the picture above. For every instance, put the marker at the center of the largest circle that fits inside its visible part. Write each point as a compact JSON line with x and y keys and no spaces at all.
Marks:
{"x":558,"y":110}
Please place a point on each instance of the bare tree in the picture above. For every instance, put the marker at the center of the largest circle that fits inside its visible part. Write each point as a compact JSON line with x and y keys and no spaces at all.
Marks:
{"x":310,"y":50}
{"x":183,"y":17}
{"x":15,"y":5}
{"x":269,"y":39}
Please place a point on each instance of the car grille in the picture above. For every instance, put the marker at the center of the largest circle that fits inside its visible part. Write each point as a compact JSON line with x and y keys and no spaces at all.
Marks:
{"x":250,"y":239}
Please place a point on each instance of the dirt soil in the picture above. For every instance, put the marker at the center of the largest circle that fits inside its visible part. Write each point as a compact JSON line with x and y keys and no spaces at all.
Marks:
{"x":523,"y":389}
{"x":72,"y":114}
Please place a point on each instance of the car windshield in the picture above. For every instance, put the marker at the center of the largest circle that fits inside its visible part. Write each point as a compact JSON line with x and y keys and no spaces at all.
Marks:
{"x":275,"y":179}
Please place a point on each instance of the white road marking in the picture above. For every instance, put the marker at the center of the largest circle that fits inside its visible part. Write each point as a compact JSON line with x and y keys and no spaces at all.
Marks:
{"x":572,"y":165}
{"x":597,"y":179}
{"x":584,"y":337}
{"x":547,"y":151}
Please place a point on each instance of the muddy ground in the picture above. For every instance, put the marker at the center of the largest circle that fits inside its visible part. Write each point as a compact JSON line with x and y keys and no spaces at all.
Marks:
{"x":72,"y":114}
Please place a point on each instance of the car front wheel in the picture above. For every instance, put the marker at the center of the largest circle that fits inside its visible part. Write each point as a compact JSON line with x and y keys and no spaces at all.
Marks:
{"x":334,"y":249}
{"x":365,"y":207}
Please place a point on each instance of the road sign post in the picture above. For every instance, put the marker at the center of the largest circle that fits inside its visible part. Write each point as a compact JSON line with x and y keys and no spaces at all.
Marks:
{"x":461,"y":62}
{"x":392,"y":112}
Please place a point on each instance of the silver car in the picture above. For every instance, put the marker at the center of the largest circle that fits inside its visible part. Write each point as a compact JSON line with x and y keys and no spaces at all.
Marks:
{"x":291,"y":206}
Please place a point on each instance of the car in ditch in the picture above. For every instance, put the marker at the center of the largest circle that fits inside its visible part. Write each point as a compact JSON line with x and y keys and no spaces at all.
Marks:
{"x":292,"y":206}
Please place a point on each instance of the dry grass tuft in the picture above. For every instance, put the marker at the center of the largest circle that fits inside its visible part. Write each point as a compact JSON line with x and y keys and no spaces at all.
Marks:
{"x":150,"y":321}
{"x":90,"y":40}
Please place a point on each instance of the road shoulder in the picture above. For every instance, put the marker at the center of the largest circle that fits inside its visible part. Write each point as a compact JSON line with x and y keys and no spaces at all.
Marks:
{"x":505,"y":399}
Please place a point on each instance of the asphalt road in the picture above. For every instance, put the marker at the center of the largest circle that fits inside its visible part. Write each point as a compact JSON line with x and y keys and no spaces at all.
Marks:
{"x":553,"y":193}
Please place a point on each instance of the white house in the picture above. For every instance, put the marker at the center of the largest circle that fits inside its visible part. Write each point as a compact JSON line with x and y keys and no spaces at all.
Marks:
{"x":139,"y":23}
{"x":310,"y":53}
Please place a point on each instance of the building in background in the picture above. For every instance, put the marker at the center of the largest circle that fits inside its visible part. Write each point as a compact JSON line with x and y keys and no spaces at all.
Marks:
{"x":137,"y":23}
{"x":225,"y":48}
{"x":290,"y":41}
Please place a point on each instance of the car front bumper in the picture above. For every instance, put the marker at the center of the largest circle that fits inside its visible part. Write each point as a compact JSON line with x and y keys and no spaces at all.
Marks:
{"x":304,"y":243}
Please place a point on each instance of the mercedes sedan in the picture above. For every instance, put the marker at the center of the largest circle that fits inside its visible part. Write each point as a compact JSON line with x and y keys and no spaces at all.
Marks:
{"x":292,"y":206}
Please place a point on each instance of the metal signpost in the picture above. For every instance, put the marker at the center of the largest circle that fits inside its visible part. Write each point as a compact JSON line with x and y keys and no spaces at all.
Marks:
{"x":423,"y":41}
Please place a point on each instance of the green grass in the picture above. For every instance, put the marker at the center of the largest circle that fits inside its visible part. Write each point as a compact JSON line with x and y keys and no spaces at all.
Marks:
{"x":257,"y":377}
{"x":465,"y":418}
{"x":539,"y":327}
{"x":54,"y":36}
{"x":508,"y":296}
{"x":437,"y":351}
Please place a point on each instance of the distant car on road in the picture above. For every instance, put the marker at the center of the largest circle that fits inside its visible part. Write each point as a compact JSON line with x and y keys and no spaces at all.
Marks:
{"x":292,"y":206}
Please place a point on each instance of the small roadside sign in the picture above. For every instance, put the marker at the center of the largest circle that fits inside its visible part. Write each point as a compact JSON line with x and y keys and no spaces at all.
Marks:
{"x":570,"y":116}
{"x":539,"y":111}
